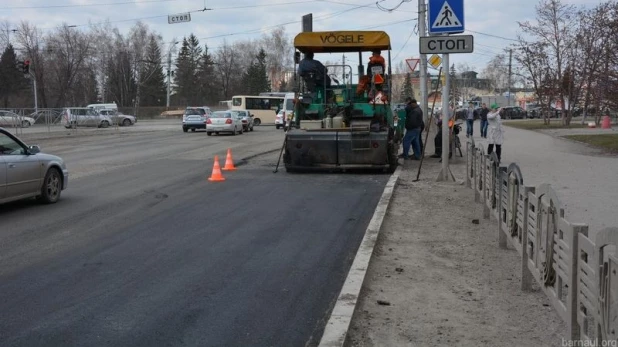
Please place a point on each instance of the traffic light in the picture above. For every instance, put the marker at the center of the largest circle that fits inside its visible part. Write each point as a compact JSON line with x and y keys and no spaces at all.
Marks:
{"x":20,"y":66}
{"x":26,"y":67}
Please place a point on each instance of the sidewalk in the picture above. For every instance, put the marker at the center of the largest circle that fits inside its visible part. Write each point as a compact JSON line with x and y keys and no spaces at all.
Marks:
{"x":585,"y":178}
{"x":444,"y":278}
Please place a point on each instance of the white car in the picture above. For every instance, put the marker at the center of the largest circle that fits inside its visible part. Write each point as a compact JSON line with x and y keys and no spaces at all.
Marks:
{"x":11,"y":119}
{"x":224,"y":121}
{"x":280,"y":120}
{"x":245,"y":117}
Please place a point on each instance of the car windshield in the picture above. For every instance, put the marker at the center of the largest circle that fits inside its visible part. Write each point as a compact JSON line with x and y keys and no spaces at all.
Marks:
{"x":194,"y":112}
{"x":240,"y":113}
{"x":221,"y":115}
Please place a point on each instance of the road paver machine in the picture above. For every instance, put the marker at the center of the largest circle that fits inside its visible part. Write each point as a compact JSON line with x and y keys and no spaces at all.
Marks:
{"x":336,"y":124}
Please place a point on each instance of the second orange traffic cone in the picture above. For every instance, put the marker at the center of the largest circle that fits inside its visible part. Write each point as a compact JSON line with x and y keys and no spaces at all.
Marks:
{"x":216,"y":175}
{"x":229,"y":162}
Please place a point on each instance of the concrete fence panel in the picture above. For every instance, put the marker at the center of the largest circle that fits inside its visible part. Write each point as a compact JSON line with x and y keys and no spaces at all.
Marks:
{"x":470,"y":153}
{"x":579,"y":275}
{"x":597,"y":287}
{"x":479,"y":164}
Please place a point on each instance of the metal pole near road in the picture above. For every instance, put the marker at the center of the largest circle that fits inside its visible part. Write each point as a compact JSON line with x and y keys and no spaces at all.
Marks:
{"x":36,"y":100}
{"x":510,"y":73}
{"x":422,"y":28}
{"x":445,"y":173}
{"x":169,"y":72}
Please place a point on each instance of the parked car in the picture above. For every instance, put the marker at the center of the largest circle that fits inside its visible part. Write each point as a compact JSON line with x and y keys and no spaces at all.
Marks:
{"x":118,"y":117}
{"x":195,"y":118}
{"x":245,"y":117}
{"x":73,"y":117}
{"x":514,"y":112}
{"x":12,"y":119}
{"x":25,"y":172}
{"x":280,"y":119}
{"x":224,"y":121}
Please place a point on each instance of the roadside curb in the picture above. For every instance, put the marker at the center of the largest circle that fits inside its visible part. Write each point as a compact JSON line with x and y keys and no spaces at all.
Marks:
{"x":336,"y":328}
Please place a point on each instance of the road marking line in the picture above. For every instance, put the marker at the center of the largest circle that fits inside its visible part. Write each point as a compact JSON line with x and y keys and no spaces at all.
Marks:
{"x":338,"y":324}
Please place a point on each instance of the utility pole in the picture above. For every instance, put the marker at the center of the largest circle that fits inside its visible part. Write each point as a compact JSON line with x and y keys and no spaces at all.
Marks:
{"x":343,"y":69}
{"x":169,"y":72}
{"x":509,"y":82}
{"x":446,"y":174}
{"x":422,"y":29}
{"x":36,"y":100}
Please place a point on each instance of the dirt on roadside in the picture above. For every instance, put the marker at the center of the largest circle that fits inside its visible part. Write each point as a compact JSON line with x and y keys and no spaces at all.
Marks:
{"x":440,"y":277}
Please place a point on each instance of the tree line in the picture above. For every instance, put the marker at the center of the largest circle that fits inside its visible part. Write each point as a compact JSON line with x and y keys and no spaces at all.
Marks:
{"x":76,"y":68}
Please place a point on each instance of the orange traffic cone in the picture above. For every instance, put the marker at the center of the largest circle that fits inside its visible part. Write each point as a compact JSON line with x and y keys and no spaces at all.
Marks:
{"x":229,"y":162}
{"x":216,"y":175}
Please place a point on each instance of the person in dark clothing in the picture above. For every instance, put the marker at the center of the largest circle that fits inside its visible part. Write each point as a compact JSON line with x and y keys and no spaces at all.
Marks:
{"x":437,"y":141}
{"x":484,"y":113}
{"x":309,"y":65}
{"x":414,"y":122}
{"x":420,"y":137}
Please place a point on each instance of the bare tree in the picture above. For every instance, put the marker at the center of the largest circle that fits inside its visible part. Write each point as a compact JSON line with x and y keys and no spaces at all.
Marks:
{"x":279,"y":50}
{"x":535,"y":61}
{"x":227,"y":68}
{"x":496,"y":72}
{"x":554,"y":28}
{"x":68,"y":50}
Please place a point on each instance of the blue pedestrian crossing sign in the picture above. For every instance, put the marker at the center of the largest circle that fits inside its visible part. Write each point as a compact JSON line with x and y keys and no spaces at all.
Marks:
{"x":446,"y":16}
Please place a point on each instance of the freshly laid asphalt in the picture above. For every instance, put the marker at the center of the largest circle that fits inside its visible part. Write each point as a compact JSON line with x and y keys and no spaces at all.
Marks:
{"x":142,"y":250}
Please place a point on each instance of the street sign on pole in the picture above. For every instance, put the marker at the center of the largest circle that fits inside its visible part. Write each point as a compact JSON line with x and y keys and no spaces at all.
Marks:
{"x":179,"y":18}
{"x":412,"y":63}
{"x":435,"y":61}
{"x":446,"y":16}
{"x":307,"y":23}
{"x":447,"y":44}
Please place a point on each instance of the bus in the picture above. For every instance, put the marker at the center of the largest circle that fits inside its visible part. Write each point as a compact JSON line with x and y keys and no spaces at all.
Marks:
{"x":263,"y":108}
{"x":276,"y":94}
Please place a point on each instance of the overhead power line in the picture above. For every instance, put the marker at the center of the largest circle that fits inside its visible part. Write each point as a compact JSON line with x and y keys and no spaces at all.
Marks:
{"x":315,"y":19}
{"x":85,"y":5}
{"x":496,"y":36}
{"x":355,"y":6}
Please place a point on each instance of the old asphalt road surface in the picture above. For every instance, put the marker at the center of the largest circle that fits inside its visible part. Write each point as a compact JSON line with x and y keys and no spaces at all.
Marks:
{"x":143,"y":251}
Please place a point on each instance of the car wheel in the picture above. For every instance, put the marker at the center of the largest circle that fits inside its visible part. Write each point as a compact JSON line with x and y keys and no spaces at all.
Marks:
{"x":193,"y":129}
{"x":242,"y":130}
{"x":25,"y":124}
{"x":209,"y":133}
{"x":257,"y":122}
{"x":216,"y":133}
{"x":105,"y":124}
{"x":52,"y":186}
{"x":234,"y":132}
{"x":126,"y":122}
{"x":251,"y":129}
{"x":185,"y":130}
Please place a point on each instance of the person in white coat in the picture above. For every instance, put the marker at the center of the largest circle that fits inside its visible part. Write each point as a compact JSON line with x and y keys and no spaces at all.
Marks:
{"x":495,"y":136}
